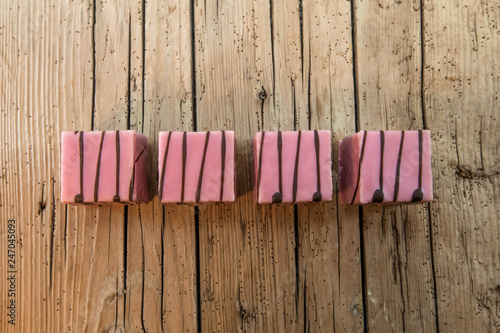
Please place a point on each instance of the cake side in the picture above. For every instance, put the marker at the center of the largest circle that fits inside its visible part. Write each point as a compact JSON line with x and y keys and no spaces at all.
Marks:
{"x":138,"y":189}
{"x":349,"y":154}
{"x":293,"y":167}
{"x":256,"y":158}
{"x":390,"y":167}
{"x":70,"y":168}
{"x":98,"y":166}
{"x":196,"y":167}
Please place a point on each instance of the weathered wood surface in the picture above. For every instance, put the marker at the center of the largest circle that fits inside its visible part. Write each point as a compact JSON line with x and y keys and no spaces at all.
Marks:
{"x":249,"y":66}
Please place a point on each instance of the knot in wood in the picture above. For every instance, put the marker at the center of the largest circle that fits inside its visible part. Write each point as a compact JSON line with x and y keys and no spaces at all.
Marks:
{"x":263,"y":94}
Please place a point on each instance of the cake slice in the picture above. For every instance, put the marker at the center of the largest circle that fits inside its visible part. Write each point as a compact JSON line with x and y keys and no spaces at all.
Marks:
{"x":385,"y":167}
{"x":196,"y":167}
{"x":293,"y":166}
{"x":104,"y":167}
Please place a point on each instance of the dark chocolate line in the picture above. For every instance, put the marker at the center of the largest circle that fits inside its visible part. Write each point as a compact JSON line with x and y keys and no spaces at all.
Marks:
{"x":317,"y":195}
{"x":398,"y":168}
{"x":131,"y":186}
{"x":98,"y":169}
{"x":184,"y":155}
{"x":259,"y":171}
{"x":296,"y":169}
{"x":200,"y":177}
{"x":382,"y":146}
{"x":278,"y":196}
{"x":223,"y":164}
{"x":116,"y":198}
{"x":79,"y":196}
{"x":378,"y":195}
{"x":420,"y":149}
{"x":280,"y":147}
{"x":418,"y":194}
{"x":162,"y":176}
{"x":132,"y":178}
{"x":365,"y":134}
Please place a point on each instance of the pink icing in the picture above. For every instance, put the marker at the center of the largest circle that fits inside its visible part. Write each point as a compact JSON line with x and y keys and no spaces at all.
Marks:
{"x":210,"y":188}
{"x":307,"y":175}
{"x":133,"y":151}
{"x":351,"y":151}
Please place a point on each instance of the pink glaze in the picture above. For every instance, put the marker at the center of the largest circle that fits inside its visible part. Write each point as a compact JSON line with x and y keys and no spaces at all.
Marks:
{"x":171,"y":186}
{"x":99,"y":182}
{"x":405,"y":151}
{"x":305,"y":173}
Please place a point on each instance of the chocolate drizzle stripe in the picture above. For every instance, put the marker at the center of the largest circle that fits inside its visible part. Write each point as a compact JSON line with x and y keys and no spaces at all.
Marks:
{"x":317,"y":195}
{"x":131,"y":186}
{"x":278,"y":196}
{"x":116,"y":198}
{"x":259,"y":171}
{"x":81,"y":162}
{"x":378,"y":195}
{"x":79,"y":196}
{"x":184,"y":155}
{"x":418,"y":194}
{"x":382,"y":146}
{"x":162,"y":176}
{"x":280,"y":146}
{"x":223,"y":164}
{"x":365,"y":134}
{"x":398,"y":168}
{"x":200,"y":177}
{"x":132,"y":178}
{"x":420,"y":150}
{"x":296,"y":168}
{"x":98,"y":168}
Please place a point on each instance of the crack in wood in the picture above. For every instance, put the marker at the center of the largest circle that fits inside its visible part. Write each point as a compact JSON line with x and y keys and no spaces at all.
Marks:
{"x":162,"y":266}
{"x":65,"y":234}
{"x":52,"y":234}
{"x":273,"y":59}
{"x":296,"y":249}
{"x":143,"y":282}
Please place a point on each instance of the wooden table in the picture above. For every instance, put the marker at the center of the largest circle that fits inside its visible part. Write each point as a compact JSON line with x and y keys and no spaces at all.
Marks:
{"x":248,"y":66}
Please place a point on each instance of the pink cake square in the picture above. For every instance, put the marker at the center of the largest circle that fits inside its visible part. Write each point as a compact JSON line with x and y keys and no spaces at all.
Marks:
{"x":293,"y":166}
{"x":196,"y":167}
{"x":104,"y":167}
{"x":385,"y":167}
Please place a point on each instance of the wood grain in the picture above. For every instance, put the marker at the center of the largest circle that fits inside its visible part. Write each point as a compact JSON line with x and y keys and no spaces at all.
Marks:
{"x":461,"y":109}
{"x":249,"y":66}
{"x":240,"y":278}
{"x":398,"y":266}
{"x":247,"y":253}
{"x":320,"y":86}
{"x":45,"y":89}
{"x":169,"y":298}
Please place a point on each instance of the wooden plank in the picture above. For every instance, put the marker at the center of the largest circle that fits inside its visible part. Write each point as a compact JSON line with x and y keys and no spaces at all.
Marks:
{"x":399,"y":281}
{"x":247,"y":253}
{"x":266,"y":286}
{"x":47,"y":87}
{"x":461,"y":109}
{"x":314,"y":62}
{"x":168,"y":300}
{"x":262,"y":269}
{"x":329,"y":235}
{"x":113,"y":60}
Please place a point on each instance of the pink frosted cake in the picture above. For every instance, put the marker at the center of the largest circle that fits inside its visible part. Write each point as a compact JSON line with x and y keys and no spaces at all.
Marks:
{"x":196,"y":167}
{"x":293,"y":166}
{"x":385,"y":167}
{"x":104,"y":167}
